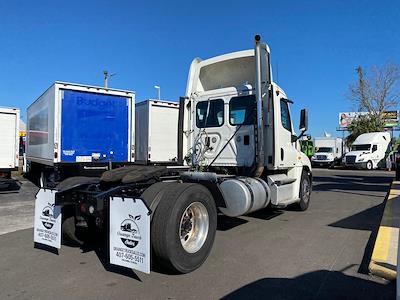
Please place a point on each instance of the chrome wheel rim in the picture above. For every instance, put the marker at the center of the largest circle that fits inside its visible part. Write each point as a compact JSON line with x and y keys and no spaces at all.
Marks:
{"x":193,"y":228}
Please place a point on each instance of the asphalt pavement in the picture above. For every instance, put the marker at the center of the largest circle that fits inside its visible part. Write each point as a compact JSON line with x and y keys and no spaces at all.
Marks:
{"x":322,"y":253}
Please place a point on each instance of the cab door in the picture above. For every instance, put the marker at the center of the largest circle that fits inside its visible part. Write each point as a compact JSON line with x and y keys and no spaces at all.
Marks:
{"x":224,"y":131}
{"x":285,"y":150}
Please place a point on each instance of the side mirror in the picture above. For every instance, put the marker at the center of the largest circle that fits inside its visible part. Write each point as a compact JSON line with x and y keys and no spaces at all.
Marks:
{"x":303,"y":126}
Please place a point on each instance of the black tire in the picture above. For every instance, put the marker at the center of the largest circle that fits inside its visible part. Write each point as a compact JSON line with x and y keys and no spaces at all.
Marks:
{"x":305,"y":191}
{"x":153,"y":194}
{"x":369,"y":165}
{"x":165,"y":227}
{"x":70,"y":235}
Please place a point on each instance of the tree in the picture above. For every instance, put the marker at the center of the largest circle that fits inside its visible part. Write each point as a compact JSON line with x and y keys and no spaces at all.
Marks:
{"x":377,"y":90}
{"x":363,"y":124}
{"x":374,"y":93}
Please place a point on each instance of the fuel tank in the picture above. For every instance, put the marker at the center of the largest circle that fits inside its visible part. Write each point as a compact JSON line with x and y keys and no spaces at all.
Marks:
{"x":244,"y":195}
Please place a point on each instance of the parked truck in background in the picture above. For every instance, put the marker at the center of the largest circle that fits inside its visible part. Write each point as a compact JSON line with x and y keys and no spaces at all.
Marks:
{"x":156,"y":131}
{"x":328,"y":151}
{"x":9,"y":145}
{"x":235,"y":130}
{"x":368,"y":151}
{"x":75,"y":129}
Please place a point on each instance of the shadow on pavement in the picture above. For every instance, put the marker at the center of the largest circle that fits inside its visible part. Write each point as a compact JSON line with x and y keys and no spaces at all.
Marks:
{"x":352,"y":183}
{"x":368,"y":220}
{"x":225,"y":223}
{"x":9,"y":185}
{"x":321,"y":284}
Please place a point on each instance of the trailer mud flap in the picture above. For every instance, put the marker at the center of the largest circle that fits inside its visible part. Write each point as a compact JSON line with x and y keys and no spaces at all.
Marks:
{"x":130,"y":233}
{"x":47,"y":227}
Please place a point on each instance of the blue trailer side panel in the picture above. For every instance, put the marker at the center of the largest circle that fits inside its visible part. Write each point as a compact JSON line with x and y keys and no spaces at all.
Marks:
{"x":94,"y":125}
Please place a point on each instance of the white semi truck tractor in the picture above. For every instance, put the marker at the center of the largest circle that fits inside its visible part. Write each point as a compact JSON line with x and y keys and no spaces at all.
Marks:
{"x":238,"y":154}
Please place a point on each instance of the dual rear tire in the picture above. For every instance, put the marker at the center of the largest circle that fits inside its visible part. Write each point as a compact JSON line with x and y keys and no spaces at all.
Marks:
{"x":183,"y":225}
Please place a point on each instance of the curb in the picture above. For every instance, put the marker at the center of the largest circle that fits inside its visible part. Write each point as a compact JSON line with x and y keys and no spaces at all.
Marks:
{"x":384,"y":256}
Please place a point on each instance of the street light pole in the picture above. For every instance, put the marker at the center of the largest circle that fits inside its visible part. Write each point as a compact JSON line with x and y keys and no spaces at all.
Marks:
{"x":105,"y":79}
{"x":158,"y":88}
{"x":106,"y":76}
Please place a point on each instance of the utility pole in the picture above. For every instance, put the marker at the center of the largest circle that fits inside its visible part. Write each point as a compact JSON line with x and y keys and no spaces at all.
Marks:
{"x":106,"y":76}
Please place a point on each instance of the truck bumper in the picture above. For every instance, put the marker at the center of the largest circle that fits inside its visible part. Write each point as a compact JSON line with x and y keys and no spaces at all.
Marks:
{"x":322,"y":163}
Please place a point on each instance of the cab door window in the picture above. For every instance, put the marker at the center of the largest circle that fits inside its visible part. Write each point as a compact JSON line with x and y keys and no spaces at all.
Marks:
{"x":242,"y":110}
{"x":285,"y":116}
{"x":210,"y":113}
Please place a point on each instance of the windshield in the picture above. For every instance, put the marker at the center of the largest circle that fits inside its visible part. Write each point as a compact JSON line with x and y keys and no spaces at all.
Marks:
{"x":324,"y":149}
{"x":361,"y":147}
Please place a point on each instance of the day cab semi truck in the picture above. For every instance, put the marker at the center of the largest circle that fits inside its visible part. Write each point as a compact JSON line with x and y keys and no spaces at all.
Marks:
{"x":236,"y":134}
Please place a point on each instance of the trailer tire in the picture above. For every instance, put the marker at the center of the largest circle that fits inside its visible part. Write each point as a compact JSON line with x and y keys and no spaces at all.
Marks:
{"x":183,"y":227}
{"x":305,"y":191}
{"x":70,"y":236}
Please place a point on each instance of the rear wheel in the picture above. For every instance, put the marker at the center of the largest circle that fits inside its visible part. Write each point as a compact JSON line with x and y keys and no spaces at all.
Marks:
{"x":369,"y":165}
{"x":183,"y":227}
{"x":305,"y":191}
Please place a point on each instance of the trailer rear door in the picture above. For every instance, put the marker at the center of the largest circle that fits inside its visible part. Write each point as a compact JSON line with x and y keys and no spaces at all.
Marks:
{"x":8,"y":145}
{"x":94,"y":127}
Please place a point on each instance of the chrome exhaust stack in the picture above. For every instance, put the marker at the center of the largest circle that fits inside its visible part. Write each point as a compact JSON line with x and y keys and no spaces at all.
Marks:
{"x":260,"y":156}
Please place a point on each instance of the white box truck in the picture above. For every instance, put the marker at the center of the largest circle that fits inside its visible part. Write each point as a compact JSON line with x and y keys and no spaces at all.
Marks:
{"x":328,"y":151}
{"x":368,"y":151}
{"x":79,"y":129}
{"x":9,"y":145}
{"x":156,"y":131}
{"x":235,"y":126}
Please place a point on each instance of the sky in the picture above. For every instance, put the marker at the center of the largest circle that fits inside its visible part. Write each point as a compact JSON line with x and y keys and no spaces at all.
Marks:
{"x":315,"y":46}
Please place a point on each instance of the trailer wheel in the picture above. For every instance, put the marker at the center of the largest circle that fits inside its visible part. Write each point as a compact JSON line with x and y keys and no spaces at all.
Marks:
{"x":305,"y":191}
{"x":183,"y":227}
{"x":70,"y":234}
{"x":369,"y":165}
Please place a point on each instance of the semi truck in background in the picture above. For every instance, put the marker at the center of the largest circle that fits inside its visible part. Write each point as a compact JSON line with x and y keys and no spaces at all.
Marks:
{"x":235,"y":131}
{"x":9,"y":145}
{"x":75,"y":129}
{"x":328,"y":151}
{"x":156,"y":131}
{"x":368,"y":151}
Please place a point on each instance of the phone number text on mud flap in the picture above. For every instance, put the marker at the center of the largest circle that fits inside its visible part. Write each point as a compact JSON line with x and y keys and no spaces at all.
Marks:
{"x":129,"y":255}
{"x":47,"y":235}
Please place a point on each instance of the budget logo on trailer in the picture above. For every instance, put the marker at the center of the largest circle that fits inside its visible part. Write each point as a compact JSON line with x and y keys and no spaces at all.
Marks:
{"x":129,"y":232}
{"x":47,"y":216}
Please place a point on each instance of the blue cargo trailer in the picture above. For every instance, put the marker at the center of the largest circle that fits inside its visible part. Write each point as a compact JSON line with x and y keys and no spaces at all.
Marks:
{"x":79,"y":130}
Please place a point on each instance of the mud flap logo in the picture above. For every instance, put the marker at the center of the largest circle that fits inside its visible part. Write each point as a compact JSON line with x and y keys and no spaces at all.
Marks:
{"x":130,"y":233}
{"x":47,"y":219}
{"x":47,"y":216}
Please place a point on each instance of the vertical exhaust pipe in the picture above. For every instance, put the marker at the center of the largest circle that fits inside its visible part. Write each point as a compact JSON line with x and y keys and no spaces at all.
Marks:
{"x":260,"y":115}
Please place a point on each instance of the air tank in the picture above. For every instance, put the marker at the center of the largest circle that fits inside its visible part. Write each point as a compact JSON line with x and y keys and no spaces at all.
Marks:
{"x":244,"y":195}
